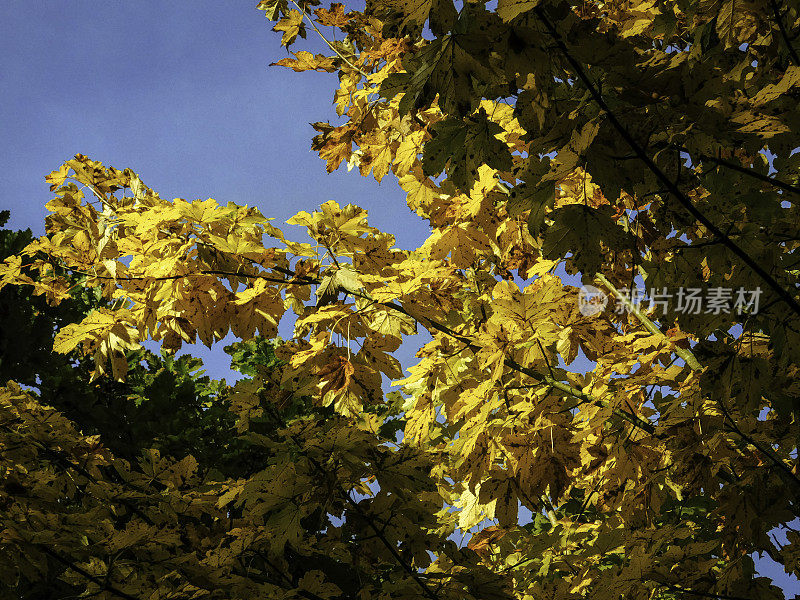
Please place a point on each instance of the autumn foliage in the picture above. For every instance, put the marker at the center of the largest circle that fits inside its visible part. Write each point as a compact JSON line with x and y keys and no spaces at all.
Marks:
{"x":636,"y":144}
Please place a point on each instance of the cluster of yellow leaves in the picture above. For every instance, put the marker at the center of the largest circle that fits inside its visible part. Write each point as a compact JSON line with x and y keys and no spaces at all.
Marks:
{"x":637,"y":471}
{"x":167,"y":527}
{"x":540,"y":435}
{"x":529,"y":433}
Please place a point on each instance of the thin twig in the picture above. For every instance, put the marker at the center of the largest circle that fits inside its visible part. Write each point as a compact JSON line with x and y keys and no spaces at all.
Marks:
{"x":684,"y":353}
{"x":308,"y":281}
{"x":784,"y":34}
{"x":324,"y":39}
{"x":660,"y":175}
{"x":684,"y":590}
{"x":514,"y":365}
{"x":787,"y":187}
{"x":345,"y":495}
{"x":431,"y":324}
{"x":59,"y":457}
{"x":104,"y":586}
{"x":776,"y":460}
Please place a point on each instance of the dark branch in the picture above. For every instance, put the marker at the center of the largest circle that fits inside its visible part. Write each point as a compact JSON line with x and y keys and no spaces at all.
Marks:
{"x":784,"y":34}
{"x":105,"y":586}
{"x":660,"y":175}
{"x":60,"y":458}
{"x":514,"y":365}
{"x":776,"y":460}
{"x":787,"y":187}
{"x":345,"y":495}
{"x":510,"y":363}
{"x":683,"y":590}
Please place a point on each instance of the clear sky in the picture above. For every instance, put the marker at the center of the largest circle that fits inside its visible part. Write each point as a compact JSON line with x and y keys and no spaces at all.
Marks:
{"x":180,"y":92}
{"x":183,"y":94}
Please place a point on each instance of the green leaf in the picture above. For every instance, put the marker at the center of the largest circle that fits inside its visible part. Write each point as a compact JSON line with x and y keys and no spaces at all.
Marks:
{"x":582,"y":231}
{"x":510,"y":9}
{"x":460,"y":147}
{"x":454,"y":67}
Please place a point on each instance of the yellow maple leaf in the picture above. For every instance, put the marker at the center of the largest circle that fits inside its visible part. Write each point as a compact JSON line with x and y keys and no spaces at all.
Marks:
{"x":407,"y":152}
{"x":335,"y":376}
{"x":291,"y":25}
{"x":464,"y":243}
{"x":305,"y":61}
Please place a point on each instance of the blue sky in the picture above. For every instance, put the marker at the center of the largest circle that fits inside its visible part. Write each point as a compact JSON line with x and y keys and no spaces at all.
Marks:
{"x":183,"y":94}
{"x":180,"y":92}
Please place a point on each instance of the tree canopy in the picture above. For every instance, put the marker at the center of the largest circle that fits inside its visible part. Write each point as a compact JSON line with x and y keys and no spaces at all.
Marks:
{"x":644,"y":146}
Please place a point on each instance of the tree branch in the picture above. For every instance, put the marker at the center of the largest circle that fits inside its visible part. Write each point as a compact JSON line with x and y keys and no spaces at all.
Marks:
{"x":684,"y":590}
{"x":787,"y":187}
{"x":306,"y":281}
{"x":776,"y":460}
{"x":324,"y":39}
{"x":345,"y":495}
{"x":660,"y":175}
{"x":684,"y":353}
{"x":784,"y":34}
{"x":104,"y":586}
{"x":59,"y":458}
{"x":541,"y":377}
{"x":691,"y":361}
{"x":509,"y":362}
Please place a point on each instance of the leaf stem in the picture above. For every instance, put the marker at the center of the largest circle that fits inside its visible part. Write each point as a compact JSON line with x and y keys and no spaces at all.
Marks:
{"x":324,"y":39}
{"x":684,"y":353}
{"x":660,"y":175}
{"x":784,"y":34}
